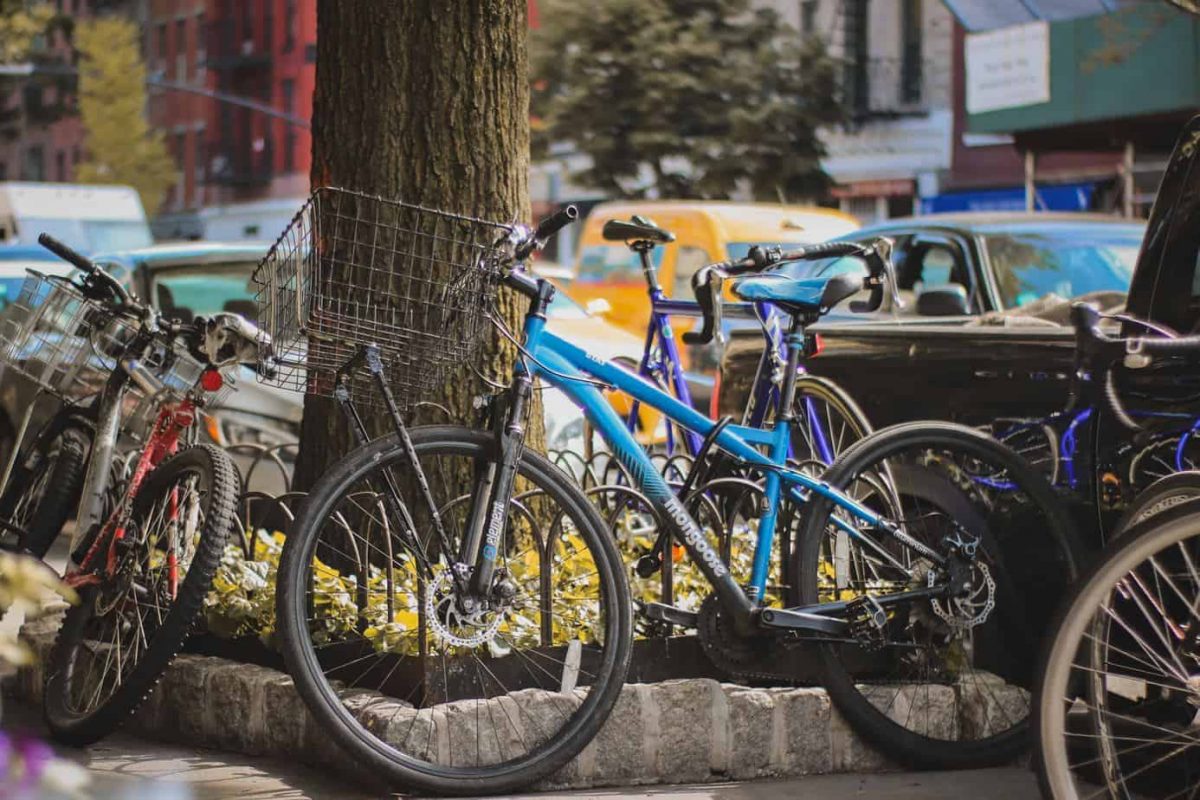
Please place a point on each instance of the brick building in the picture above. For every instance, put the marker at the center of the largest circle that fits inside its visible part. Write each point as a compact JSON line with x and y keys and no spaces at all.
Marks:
{"x":40,"y":135}
{"x":241,"y":171}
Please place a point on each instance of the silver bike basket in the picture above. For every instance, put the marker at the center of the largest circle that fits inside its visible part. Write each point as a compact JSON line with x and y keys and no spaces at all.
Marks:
{"x":354,"y":269}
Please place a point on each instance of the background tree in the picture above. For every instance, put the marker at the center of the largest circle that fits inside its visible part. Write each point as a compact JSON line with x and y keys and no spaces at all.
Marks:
{"x":120,"y":145}
{"x":426,"y":101}
{"x":701,"y":95}
{"x":20,"y":25}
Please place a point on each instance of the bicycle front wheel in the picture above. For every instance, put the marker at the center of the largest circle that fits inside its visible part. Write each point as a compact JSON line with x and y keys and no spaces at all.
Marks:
{"x":436,"y":694}
{"x":946,"y":682}
{"x":115,"y":644}
{"x":1120,"y":684}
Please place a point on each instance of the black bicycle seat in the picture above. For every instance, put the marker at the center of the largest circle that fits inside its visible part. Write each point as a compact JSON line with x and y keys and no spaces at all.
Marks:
{"x":635,"y":229}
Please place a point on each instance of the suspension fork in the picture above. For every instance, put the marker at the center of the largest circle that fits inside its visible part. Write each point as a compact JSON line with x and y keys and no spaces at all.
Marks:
{"x":510,"y":445}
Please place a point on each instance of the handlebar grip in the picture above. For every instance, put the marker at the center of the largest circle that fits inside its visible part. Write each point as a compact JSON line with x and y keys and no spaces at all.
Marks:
{"x":822,"y":250}
{"x":556,"y":222}
{"x":66,"y":253}
{"x":1182,"y":344}
{"x":702,"y":287}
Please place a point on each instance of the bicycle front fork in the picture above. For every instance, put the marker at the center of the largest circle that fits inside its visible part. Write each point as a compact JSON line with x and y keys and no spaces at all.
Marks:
{"x":472,"y":563}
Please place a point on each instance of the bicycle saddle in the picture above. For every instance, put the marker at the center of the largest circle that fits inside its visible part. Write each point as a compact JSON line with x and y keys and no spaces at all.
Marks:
{"x":639,"y":229}
{"x":798,"y":296}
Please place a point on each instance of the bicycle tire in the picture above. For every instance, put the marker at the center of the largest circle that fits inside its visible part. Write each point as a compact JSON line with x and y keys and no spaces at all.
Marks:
{"x":73,"y":727}
{"x":1166,"y":492}
{"x":42,"y":496}
{"x":1146,"y":538}
{"x":837,"y":399}
{"x":904,"y":745}
{"x":380,"y":758}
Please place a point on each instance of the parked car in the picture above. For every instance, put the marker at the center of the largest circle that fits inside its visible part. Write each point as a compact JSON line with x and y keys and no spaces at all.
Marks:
{"x":92,"y":218}
{"x":982,"y":331}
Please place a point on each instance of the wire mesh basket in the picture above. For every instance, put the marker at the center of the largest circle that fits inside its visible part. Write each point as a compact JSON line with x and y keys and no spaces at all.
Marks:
{"x":354,"y":269}
{"x":43,"y":334}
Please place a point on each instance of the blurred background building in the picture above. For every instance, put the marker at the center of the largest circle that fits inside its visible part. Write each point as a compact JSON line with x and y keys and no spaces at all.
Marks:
{"x":951,"y":105}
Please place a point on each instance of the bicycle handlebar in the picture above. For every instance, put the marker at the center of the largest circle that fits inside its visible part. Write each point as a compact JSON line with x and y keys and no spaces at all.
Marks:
{"x":706,"y":282}
{"x":96,"y":276}
{"x":1097,"y":352}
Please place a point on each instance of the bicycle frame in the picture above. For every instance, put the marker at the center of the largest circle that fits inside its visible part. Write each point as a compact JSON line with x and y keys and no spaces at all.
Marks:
{"x":572,"y":370}
{"x":660,"y":359}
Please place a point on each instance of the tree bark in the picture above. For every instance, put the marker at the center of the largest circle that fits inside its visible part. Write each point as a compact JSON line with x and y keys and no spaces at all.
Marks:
{"x":424,"y":101}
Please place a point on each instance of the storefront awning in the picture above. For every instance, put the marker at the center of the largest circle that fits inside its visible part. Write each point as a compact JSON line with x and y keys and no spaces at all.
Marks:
{"x":986,"y":15}
{"x":1058,"y":197}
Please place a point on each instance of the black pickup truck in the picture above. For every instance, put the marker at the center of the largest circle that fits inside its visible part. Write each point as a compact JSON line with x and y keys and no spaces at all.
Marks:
{"x":983,"y":335}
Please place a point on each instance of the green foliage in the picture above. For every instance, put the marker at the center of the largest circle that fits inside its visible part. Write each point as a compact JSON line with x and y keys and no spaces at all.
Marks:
{"x":20,"y":26}
{"x":653,"y":86}
{"x":121,"y":147}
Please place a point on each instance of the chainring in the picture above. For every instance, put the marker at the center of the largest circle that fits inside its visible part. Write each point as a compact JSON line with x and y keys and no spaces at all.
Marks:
{"x":743,"y":658}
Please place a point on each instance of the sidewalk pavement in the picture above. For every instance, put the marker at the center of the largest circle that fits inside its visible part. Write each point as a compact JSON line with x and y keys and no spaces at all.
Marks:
{"x":132,"y":768}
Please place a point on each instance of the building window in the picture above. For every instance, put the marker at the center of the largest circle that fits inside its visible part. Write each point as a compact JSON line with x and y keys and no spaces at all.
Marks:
{"x":310,"y":53}
{"x":160,"y":34}
{"x":910,"y":55}
{"x":289,"y":25}
{"x":198,"y":158}
{"x":201,"y":46}
{"x":3,"y":171}
{"x":75,"y":156}
{"x":856,"y":86}
{"x":181,"y":54}
{"x":35,"y":167}
{"x":289,"y":134}
{"x":60,"y":166}
{"x":247,"y":20}
{"x":808,"y":17}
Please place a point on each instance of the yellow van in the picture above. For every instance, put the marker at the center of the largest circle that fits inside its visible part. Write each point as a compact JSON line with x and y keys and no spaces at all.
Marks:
{"x":705,"y":231}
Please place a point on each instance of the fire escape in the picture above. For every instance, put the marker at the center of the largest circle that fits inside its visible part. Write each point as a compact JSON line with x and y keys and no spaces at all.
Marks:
{"x":239,"y":54}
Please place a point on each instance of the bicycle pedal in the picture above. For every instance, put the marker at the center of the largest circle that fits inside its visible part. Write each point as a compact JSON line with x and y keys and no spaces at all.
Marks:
{"x":866,"y":620}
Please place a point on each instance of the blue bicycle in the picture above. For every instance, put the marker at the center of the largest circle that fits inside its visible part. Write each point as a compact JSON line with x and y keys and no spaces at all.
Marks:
{"x":453,"y":610}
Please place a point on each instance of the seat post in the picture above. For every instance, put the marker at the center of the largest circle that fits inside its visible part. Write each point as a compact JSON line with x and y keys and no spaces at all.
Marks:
{"x":795,"y":350}
{"x":644,"y":249}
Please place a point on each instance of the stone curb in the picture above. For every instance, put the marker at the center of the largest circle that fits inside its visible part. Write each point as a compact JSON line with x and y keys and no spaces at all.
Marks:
{"x":682,"y":731}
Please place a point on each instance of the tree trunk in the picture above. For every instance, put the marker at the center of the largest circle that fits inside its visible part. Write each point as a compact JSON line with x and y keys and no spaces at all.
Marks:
{"x":424,"y":101}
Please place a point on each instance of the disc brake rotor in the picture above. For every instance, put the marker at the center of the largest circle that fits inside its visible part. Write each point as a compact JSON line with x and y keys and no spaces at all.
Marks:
{"x":453,"y":625}
{"x":971,"y":609}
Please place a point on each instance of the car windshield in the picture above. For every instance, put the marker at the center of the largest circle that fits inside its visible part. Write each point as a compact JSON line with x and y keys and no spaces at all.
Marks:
{"x":1068,"y":261}
{"x":9,"y":289}
{"x":613,"y":263}
{"x":90,"y":235}
{"x":183,"y":293}
{"x":563,"y":307}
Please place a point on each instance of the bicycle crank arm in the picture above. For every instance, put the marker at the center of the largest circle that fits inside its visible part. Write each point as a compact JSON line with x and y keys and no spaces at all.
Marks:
{"x":839,"y":606}
{"x":800,"y":620}
{"x":670,"y":614}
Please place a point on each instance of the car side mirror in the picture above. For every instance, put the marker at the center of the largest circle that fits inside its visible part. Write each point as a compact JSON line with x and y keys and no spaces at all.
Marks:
{"x":944,"y":300}
{"x":598,"y":307}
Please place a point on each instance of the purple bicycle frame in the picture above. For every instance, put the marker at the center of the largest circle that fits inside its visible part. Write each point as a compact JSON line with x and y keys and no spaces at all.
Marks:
{"x":664,"y":363}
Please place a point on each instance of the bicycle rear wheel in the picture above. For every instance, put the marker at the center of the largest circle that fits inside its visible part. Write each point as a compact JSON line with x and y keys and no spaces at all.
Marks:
{"x":1119,"y":692}
{"x":420,"y":689}
{"x":827,"y":421}
{"x":948,"y":685}
{"x":115,"y":644}
{"x":44,"y":489}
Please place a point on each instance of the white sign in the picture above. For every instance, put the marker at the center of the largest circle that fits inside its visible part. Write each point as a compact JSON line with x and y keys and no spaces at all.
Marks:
{"x":1008,"y":67}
